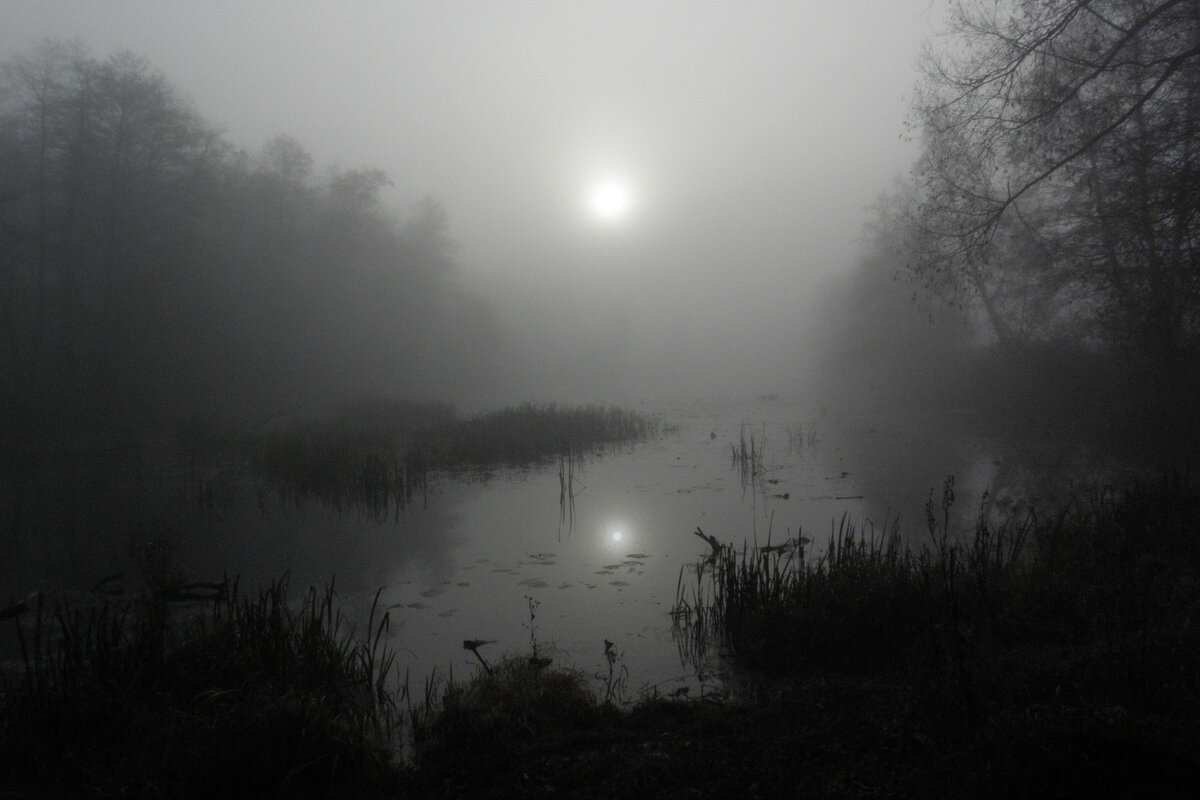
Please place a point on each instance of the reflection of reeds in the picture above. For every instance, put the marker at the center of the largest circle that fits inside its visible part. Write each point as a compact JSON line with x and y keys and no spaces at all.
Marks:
{"x":529,"y":434}
{"x":802,"y":436}
{"x":375,"y":476}
{"x":748,"y":457}
{"x":566,"y":490}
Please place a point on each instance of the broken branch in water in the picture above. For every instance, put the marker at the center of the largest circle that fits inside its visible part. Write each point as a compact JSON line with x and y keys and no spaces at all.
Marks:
{"x":473,"y":645}
{"x":712,"y":540}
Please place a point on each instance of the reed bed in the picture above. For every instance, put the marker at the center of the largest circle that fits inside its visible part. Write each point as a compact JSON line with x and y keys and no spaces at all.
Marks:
{"x":376,"y":460}
{"x":778,"y":609}
{"x":534,"y":433}
{"x":1053,"y":654}
{"x":230,"y":695}
{"x":1098,"y":596}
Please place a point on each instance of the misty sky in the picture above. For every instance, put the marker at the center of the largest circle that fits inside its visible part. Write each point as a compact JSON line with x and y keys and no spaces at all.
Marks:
{"x":750,"y":137}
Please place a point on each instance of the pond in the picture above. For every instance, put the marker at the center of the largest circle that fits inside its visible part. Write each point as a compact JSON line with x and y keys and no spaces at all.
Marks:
{"x":508,"y":557}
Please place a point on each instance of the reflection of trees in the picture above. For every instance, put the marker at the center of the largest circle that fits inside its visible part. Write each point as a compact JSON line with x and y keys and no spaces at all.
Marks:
{"x":899,"y":462}
{"x":313,"y":546}
{"x":895,"y":463}
{"x":72,"y":528}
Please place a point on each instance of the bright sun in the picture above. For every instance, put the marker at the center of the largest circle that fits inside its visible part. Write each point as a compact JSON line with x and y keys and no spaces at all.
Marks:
{"x":609,"y":200}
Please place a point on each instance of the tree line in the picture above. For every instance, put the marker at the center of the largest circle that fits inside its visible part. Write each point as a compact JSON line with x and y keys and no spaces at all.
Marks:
{"x":150,"y":269}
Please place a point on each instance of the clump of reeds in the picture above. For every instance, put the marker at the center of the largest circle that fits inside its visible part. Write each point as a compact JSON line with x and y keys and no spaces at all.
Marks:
{"x":490,"y":717}
{"x":616,"y":674}
{"x":233,"y":696}
{"x":1097,"y":600}
{"x":778,"y":609}
{"x":748,"y":457}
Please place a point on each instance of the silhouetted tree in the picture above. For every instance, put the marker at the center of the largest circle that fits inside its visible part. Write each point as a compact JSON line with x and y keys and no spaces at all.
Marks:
{"x":1059,"y":177}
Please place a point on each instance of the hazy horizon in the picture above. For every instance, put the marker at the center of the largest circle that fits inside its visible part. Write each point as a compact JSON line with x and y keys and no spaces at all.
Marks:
{"x":751,"y":141}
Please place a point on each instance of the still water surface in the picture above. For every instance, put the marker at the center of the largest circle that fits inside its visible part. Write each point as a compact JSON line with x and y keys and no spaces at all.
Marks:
{"x":485,"y":550}
{"x":470,"y":562}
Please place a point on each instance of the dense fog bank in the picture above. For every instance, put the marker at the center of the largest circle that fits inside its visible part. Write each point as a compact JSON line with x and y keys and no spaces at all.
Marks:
{"x":153,"y":270}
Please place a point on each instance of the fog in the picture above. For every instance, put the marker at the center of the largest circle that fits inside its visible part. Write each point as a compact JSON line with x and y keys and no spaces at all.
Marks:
{"x":751,"y":140}
{"x":834,"y":358}
{"x":223,"y":222}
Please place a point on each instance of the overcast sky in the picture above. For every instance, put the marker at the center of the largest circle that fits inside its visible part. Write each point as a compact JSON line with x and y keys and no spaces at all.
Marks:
{"x":750,"y":136}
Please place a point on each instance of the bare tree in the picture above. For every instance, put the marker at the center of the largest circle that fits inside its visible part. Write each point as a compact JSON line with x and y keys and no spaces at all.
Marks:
{"x":1060,"y":169}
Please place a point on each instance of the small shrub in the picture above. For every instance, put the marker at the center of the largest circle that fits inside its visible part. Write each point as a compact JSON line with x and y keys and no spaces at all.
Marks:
{"x":494,"y":715}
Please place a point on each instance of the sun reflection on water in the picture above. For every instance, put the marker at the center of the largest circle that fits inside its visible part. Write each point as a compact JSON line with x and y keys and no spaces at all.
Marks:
{"x":616,"y":535}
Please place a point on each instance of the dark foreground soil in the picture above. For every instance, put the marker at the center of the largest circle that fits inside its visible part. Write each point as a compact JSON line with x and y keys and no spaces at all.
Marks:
{"x":827,"y":740}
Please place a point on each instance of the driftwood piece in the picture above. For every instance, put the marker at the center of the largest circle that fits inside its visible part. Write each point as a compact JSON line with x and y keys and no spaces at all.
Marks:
{"x":713,"y":542}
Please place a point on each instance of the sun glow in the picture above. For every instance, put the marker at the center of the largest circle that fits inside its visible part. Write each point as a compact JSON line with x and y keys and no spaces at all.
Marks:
{"x":609,"y":200}
{"x":616,"y":536}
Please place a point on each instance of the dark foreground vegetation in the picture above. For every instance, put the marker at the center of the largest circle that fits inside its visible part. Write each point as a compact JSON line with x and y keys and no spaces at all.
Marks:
{"x":1044,"y":655}
{"x":234,"y":696}
{"x":1048,"y":655}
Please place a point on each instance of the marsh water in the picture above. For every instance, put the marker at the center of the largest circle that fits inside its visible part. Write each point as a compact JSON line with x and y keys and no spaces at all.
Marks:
{"x":570,"y":554}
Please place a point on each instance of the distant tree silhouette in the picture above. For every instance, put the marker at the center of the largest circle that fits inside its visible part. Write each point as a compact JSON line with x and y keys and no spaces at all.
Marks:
{"x":150,"y":270}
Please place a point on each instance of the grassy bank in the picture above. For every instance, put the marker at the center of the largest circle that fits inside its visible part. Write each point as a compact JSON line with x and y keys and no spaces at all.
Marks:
{"x":1112,"y":578}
